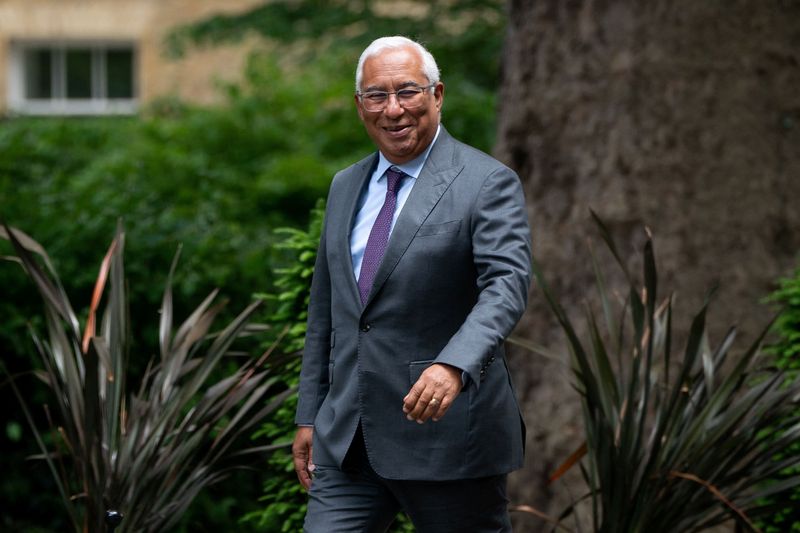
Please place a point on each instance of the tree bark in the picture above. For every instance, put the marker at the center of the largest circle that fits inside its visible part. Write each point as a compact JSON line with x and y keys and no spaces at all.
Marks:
{"x":676,"y":114}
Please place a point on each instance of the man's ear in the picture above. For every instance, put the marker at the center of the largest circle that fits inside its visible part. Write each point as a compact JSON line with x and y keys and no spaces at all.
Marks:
{"x":358,"y":107}
{"x":438,"y":94}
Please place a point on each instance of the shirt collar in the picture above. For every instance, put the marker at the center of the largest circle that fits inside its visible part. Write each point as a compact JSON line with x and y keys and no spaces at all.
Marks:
{"x":411,"y":168}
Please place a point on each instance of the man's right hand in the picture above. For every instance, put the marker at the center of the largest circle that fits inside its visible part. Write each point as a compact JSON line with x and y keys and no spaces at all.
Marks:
{"x":301,"y":450}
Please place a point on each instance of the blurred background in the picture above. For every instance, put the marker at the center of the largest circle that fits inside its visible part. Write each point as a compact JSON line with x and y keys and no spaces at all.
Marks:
{"x":213,"y":122}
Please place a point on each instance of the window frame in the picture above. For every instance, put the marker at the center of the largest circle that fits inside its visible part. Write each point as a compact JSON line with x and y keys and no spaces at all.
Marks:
{"x":58,"y":103}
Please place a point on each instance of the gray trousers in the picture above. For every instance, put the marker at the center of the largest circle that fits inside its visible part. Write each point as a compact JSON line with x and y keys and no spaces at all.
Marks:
{"x":356,"y":499}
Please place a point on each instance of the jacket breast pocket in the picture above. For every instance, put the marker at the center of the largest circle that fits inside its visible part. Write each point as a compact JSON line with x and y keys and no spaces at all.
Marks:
{"x":427,"y":230}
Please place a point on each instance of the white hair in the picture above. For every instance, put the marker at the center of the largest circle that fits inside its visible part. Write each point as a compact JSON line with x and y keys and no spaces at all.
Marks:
{"x":429,"y":66}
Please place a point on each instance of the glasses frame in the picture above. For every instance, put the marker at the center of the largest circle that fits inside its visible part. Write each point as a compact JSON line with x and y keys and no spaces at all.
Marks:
{"x":422,"y":88}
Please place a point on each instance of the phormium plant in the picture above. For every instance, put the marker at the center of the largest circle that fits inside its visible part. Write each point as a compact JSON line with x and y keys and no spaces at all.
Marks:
{"x":146,"y":451}
{"x":674,"y":441}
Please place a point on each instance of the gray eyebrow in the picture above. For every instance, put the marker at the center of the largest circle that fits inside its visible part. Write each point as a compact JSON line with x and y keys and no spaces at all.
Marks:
{"x":409,"y":84}
{"x":404,"y":85}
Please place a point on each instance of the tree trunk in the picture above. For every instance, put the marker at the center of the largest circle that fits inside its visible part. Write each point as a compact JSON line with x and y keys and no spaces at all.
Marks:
{"x":676,"y":114}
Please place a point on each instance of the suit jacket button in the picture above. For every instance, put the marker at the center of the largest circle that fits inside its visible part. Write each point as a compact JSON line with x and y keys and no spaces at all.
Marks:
{"x":366,"y":327}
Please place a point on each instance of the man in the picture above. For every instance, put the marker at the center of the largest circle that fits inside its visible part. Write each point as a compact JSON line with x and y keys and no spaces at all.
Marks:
{"x":405,"y":400}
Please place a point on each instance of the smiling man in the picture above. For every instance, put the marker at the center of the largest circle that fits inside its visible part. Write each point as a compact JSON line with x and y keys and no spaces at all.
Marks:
{"x":405,"y":400}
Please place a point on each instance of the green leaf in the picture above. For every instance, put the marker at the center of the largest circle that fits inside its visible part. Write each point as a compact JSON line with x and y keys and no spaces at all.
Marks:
{"x":14,"y":431}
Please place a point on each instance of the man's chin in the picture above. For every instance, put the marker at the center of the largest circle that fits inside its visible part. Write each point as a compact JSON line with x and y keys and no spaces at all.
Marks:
{"x":403,"y":147}
{"x":399,"y":156}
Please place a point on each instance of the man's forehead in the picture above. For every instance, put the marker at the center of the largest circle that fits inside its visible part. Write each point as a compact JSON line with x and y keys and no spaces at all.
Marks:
{"x":392,"y":69}
{"x":394,"y":59}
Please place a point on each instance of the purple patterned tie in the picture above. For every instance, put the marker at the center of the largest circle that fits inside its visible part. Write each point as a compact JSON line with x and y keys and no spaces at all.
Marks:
{"x":379,"y":234}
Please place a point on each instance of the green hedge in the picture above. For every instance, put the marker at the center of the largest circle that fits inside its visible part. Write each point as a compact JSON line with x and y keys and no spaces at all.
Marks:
{"x":785,"y":348}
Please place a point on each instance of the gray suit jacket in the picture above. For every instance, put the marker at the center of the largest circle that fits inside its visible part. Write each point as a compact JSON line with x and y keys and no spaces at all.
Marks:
{"x":452,"y":284}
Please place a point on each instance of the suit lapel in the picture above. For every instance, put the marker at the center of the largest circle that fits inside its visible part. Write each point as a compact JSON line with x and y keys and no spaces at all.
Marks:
{"x":436,"y":176}
{"x":361,"y":173}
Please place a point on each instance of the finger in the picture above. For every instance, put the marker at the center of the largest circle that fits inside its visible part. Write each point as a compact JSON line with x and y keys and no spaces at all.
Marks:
{"x":436,"y":408}
{"x":431,"y":409}
{"x":421,"y":393}
{"x":301,"y":456}
{"x":301,"y":469}
{"x":423,"y":404}
{"x":447,"y":401}
{"x":411,"y":399}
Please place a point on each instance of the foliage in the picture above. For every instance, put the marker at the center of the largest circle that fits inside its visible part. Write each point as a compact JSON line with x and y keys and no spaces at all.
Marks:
{"x":787,"y":325}
{"x":145,"y":452}
{"x":678,"y":448}
{"x":284,"y":497}
{"x":294,"y":281}
{"x":216,"y":179}
{"x":786,"y":350}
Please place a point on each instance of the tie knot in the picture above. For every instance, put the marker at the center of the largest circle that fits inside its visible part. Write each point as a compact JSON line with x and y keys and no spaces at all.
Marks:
{"x":393,"y":178}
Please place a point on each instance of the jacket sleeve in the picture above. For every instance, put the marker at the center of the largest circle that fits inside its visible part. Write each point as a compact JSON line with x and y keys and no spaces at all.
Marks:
{"x":316,"y":352}
{"x":502,"y":256}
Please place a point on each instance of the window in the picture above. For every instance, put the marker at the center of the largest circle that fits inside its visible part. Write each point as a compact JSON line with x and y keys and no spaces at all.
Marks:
{"x":72,"y":78}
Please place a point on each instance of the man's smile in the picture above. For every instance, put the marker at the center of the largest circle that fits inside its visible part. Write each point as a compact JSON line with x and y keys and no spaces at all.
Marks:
{"x":397,"y":131}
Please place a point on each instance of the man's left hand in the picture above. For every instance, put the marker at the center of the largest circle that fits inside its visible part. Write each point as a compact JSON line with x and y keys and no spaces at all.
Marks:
{"x":433,"y":393}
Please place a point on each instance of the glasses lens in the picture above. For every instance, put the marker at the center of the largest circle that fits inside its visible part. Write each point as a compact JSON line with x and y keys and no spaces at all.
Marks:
{"x":410,"y":98}
{"x":407,"y":98}
{"x":374,"y":101}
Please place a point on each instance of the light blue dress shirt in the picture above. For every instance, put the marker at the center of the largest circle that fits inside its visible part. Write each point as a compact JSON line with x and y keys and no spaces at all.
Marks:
{"x":373,"y":196}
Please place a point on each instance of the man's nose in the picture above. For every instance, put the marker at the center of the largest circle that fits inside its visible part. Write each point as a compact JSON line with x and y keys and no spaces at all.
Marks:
{"x":393,"y":107}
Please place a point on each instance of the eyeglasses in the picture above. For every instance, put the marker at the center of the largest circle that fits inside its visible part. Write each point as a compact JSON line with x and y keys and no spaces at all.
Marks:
{"x":407,"y":98}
